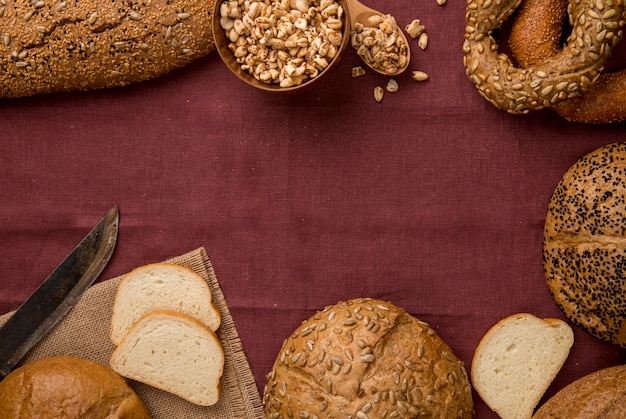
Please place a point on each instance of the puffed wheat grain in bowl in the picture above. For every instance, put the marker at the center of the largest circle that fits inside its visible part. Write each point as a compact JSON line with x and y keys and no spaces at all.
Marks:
{"x":366,"y":358}
{"x":280,"y":45}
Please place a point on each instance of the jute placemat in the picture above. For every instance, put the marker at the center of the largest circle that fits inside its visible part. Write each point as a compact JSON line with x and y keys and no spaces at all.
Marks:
{"x":84,"y":332}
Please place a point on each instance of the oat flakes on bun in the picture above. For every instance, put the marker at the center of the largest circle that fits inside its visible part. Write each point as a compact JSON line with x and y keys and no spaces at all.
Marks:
{"x":584,"y":249}
{"x":366,"y":358}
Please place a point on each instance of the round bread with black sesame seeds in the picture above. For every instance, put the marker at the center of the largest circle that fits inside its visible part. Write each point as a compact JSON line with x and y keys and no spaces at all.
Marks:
{"x":69,"y":45}
{"x":584,"y":249}
{"x":366,"y":358}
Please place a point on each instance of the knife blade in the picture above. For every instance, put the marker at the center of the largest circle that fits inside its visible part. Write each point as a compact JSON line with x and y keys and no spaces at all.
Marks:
{"x":58,"y":293}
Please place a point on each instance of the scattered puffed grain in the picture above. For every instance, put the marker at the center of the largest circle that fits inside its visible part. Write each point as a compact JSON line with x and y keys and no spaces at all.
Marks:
{"x":378,"y":93}
{"x":415,"y":28}
{"x":423,"y":41}
{"x":358,"y":71}
{"x":419,"y":75}
{"x":441,"y":2}
{"x":392,"y":86}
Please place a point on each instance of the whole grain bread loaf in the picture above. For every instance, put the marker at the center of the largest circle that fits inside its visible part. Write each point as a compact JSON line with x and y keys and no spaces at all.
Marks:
{"x":584,"y":249}
{"x":601,"y":394}
{"x":51,"y":46}
{"x":366,"y":358}
{"x":68,"y":387}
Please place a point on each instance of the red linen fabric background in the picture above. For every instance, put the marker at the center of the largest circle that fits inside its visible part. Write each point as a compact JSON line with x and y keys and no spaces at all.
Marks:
{"x":432,"y":199}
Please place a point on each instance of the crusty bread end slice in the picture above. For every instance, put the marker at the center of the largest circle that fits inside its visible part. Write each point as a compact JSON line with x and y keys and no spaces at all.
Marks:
{"x":175,"y":353}
{"x":161,"y":286}
{"x":517,"y":360}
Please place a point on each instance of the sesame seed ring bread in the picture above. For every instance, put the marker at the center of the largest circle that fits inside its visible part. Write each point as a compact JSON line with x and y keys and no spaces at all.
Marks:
{"x":599,"y":395}
{"x":596,"y":28}
{"x":535,"y":37}
{"x":68,"y":45}
{"x":584,"y":248}
{"x":366,"y":358}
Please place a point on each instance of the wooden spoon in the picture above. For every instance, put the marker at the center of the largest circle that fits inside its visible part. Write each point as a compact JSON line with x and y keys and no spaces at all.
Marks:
{"x":359,"y":13}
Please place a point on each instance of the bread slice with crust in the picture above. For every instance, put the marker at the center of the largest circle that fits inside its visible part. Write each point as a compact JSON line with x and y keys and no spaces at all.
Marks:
{"x":161,"y":286}
{"x":516,"y":361}
{"x":175,"y":353}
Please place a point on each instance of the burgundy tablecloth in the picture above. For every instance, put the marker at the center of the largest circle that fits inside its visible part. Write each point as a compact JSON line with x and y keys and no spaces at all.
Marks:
{"x":432,"y":199}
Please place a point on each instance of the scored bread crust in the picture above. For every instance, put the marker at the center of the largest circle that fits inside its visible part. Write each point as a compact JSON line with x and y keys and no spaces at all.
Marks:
{"x":601,"y":394}
{"x":366,"y":358}
{"x":68,"y":387}
{"x":58,"y":46}
{"x":584,"y":249}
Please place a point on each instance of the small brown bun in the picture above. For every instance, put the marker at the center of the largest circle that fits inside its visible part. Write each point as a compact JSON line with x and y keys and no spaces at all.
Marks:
{"x":68,"y":387}
{"x":601,"y":394}
{"x":584,"y":250}
{"x":366,"y":358}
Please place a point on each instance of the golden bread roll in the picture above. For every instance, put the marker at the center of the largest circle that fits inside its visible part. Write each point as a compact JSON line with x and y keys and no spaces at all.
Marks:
{"x":68,"y":387}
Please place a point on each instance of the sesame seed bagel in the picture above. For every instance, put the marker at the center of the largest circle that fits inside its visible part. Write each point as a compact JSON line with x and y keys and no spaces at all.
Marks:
{"x":536,"y":30}
{"x":584,"y":249}
{"x":67,"y":45}
{"x":596,"y":28}
{"x":599,"y":395}
{"x":366,"y":358}
{"x":603,"y":103}
{"x":536,"y":37}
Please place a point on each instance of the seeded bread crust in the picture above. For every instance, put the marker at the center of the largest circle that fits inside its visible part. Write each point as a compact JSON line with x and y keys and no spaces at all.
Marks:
{"x":366,"y":358}
{"x":536,"y":30}
{"x":584,"y":250}
{"x":596,"y":29}
{"x":49,"y":46}
{"x":601,"y":394}
{"x":536,"y":37}
{"x":68,"y":387}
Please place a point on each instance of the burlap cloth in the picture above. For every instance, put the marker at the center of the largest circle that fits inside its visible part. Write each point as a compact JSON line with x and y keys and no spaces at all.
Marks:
{"x":84,"y":332}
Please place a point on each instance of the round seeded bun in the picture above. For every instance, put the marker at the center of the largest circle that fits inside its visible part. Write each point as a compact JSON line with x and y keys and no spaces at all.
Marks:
{"x":584,"y":250}
{"x":366,"y":358}
{"x":68,"y":387}
{"x":601,"y":394}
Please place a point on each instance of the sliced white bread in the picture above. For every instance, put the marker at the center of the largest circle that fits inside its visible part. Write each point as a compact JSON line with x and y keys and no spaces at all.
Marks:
{"x":175,"y":353}
{"x":517,"y":360}
{"x":161,"y":286}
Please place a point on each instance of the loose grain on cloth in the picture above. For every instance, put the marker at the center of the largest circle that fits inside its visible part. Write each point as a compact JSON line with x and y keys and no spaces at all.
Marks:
{"x":85,"y":332}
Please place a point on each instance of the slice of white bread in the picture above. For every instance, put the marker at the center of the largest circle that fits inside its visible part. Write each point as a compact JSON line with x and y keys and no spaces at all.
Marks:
{"x":175,"y":353}
{"x":161,"y":286}
{"x":516,"y":361}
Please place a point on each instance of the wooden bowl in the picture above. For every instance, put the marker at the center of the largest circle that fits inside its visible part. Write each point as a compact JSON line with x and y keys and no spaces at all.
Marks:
{"x":222,"y":42}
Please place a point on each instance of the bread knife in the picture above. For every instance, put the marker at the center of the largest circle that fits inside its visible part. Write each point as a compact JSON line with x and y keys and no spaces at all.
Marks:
{"x":58,"y":293}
